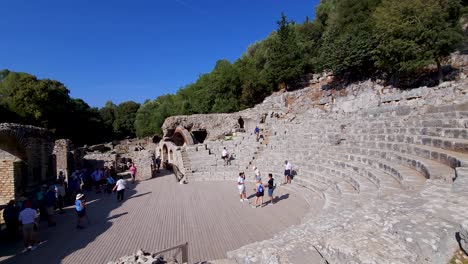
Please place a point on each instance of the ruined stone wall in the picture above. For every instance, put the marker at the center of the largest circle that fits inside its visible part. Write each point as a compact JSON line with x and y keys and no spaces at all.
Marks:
{"x":7,"y":181}
{"x":64,"y":157}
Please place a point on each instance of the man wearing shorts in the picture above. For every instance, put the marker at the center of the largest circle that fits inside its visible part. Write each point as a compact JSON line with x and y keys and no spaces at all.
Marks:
{"x":28,"y":218}
{"x":287,"y":172}
{"x":241,"y":187}
{"x":271,"y":187}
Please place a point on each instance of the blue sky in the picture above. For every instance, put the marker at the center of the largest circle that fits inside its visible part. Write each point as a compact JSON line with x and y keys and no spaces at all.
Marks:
{"x":133,"y":50}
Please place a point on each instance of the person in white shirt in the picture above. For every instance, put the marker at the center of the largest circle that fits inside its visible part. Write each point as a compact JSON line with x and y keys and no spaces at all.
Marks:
{"x":120,"y":188}
{"x":28,"y":218}
{"x":241,"y":187}
{"x":258,"y":177}
{"x":225,"y":156}
{"x":287,"y":172}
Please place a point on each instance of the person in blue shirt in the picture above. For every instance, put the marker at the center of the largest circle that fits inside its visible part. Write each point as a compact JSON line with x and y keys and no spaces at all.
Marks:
{"x":50,"y":200}
{"x":257,"y":132}
{"x":80,"y":210}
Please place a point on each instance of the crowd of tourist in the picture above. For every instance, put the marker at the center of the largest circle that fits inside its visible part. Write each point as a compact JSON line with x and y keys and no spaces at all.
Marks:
{"x":52,"y":197}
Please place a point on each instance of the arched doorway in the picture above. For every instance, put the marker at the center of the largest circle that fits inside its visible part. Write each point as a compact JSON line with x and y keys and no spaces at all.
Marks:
{"x":15,"y":171}
{"x":178,"y":139}
{"x":165,"y":155}
{"x":200,"y":135}
{"x":241,"y":122}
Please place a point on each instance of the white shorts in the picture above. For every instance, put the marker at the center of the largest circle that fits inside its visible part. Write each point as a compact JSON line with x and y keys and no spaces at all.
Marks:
{"x":241,"y":189}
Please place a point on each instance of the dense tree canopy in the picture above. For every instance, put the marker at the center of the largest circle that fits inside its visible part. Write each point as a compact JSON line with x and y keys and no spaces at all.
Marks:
{"x":46,"y":103}
{"x":353,"y":38}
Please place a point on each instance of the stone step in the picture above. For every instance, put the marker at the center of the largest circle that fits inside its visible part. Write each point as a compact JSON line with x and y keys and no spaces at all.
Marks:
{"x":408,"y":178}
{"x":429,"y":168}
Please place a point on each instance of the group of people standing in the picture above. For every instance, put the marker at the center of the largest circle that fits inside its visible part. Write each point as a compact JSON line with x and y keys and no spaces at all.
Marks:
{"x":260,"y":187}
{"x":27,"y":213}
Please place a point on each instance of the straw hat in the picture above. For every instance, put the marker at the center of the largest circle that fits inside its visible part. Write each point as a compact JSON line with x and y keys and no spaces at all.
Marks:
{"x":79,"y":196}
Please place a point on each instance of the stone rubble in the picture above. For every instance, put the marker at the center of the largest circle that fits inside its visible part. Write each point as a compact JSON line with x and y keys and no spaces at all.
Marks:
{"x":142,"y":257}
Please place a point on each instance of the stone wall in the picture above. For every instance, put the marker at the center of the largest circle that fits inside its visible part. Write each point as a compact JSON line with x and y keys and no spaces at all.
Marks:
{"x":64,"y":157}
{"x":26,"y":158}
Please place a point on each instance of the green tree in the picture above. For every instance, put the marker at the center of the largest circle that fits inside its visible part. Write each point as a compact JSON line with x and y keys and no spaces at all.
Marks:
{"x":413,"y":34}
{"x":124,"y":123}
{"x":348,"y":41}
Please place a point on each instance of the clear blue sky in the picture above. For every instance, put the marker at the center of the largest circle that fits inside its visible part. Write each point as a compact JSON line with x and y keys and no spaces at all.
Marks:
{"x":124,"y":50}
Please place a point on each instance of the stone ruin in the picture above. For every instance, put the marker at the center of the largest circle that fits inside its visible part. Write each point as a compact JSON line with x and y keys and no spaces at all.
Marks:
{"x":26,"y":159}
{"x":30,"y":157}
{"x":385,"y":170}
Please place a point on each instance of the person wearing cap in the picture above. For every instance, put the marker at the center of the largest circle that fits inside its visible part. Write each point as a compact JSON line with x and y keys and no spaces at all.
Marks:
{"x":80,"y":209}
{"x":28,"y":218}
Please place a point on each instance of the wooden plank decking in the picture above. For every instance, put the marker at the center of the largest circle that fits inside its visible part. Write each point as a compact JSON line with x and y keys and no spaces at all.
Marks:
{"x":158,"y":214}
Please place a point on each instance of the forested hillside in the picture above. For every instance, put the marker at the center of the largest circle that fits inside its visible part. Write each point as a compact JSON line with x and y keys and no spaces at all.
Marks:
{"x":46,"y":103}
{"x":356,"y":39}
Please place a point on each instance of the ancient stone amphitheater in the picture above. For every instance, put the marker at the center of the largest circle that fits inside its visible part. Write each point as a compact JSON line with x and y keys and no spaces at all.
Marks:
{"x":384,"y":170}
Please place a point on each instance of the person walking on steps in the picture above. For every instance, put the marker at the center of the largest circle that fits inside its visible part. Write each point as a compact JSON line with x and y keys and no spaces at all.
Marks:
{"x":259,"y":192}
{"x":241,"y":187}
{"x":271,"y":187}
{"x":257,"y":132}
{"x":258,"y":177}
{"x":120,"y":188}
{"x":287,"y":172}
{"x":225,"y":156}
{"x":133,"y":171}
{"x":80,"y":208}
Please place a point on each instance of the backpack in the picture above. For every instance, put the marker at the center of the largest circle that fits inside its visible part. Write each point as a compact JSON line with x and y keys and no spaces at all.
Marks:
{"x":260,"y":188}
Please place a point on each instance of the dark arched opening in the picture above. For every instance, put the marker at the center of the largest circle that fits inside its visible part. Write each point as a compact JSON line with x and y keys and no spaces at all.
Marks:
{"x":178,"y":139}
{"x":200,"y":135}
{"x":165,"y":155}
{"x":241,"y":122}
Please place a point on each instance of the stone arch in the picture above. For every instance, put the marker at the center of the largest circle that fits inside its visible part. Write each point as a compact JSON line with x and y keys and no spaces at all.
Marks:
{"x":241,"y":122}
{"x":182,"y":136}
{"x":165,"y":153}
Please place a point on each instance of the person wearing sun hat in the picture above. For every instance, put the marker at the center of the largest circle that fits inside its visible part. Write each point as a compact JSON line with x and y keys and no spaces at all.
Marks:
{"x":80,"y":209}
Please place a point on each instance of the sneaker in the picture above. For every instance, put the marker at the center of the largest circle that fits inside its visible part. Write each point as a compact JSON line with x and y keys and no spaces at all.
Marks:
{"x":33,"y":248}
{"x":253,"y":206}
{"x":241,"y":200}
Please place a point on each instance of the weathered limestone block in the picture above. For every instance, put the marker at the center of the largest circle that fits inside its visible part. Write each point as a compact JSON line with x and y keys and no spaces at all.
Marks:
{"x":464,"y":235}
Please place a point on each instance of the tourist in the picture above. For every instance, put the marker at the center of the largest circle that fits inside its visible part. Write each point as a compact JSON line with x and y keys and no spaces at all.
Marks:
{"x":28,"y":218}
{"x":10,"y":216}
{"x":133,"y":171}
{"x":261,"y":139}
{"x":271,"y":186}
{"x":258,"y":194}
{"x":158,"y":164}
{"x":241,"y":187}
{"x":50,"y":201}
{"x":225,"y":157}
{"x":257,"y":132}
{"x":61,"y":176}
{"x":258,"y":177}
{"x":80,"y":207}
{"x":41,"y":202}
{"x":120,"y":188}
{"x":60,"y":195}
{"x":87,"y":179}
{"x":112,"y":172}
{"x":287,"y":172}
{"x":110,"y":184}
{"x":97,"y":176}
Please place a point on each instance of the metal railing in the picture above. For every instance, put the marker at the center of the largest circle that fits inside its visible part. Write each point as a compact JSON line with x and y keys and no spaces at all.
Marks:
{"x":181,"y":249}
